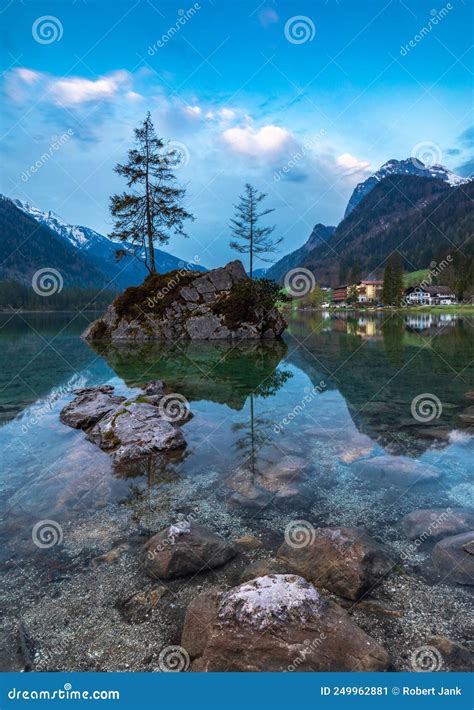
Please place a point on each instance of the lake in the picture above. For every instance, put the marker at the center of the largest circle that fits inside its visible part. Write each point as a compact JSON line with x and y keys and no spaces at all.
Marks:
{"x":279,"y":433}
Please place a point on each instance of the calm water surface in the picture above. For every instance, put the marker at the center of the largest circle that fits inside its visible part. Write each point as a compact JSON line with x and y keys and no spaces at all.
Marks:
{"x":335,"y":391}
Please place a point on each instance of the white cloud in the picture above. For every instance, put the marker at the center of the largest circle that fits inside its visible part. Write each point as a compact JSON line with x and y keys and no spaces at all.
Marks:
{"x":133,"y":96}
{"x":77,"y":90}
{"x":350,"y":164}
{"x":193,"y":110}
{"x":28,"y":75}
{"x":266,"y":141}
{"x":227,"y":114}
{"x":68,"y":91}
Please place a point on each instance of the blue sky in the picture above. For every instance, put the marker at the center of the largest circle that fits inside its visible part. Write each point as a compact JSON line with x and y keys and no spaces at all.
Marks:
{"x":235,"y":85}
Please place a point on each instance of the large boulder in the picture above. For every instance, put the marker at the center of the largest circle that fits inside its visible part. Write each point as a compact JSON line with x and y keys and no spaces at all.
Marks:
{"x":435,"y":524}
{"x":185,"y":548}
{"x":89,"y":405}
{"x":399,"y":471}
{"x":453,"y":656}
{"x":183,"y":306}
{"x":136,"y":429}
{"x":128,"y":429}
{"x":453,"y":558}
{"x":344,"y":560}
{"x":277,"y":622}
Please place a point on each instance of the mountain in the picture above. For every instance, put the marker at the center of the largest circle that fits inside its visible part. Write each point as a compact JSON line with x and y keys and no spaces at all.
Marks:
{"x":423,"y":218}
{"x":320,"y":235}
{"x":27,"y":245}
{"x":410,"y":166}
{"x":82,"y":245}
{"x":259,"y":273}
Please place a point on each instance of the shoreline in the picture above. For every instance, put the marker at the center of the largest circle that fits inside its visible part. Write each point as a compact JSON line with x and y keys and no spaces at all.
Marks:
{"x":467,"y":309}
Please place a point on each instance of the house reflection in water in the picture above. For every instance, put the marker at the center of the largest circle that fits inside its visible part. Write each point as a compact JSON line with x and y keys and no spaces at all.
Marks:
{"x":426,"y":321}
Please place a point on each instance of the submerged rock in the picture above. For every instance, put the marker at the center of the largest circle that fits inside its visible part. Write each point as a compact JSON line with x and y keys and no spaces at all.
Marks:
{"x":185,"y":548}
{"x":435,"y":524}
{"x":466,"y":418}
{"x":276,"y":484}
{"x":140,"y":605}
{"x":452,"y":558}
{"x":396,"y":470}
{"x":454,"y":656}
{"x":276,"y":623}
{"x":344,"y":560}
{"x":249,"y":542}
{"x":90,"y":405}
{"x":183,"y":305}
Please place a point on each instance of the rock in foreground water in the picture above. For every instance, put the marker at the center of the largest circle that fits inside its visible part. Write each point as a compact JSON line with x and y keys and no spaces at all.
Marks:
{"x":435,"y":524}
{"x":453,"y":558}
{"x":126,"y":429}
{"x":344,"y":560}
{"x":136,"y":429}
{"x":276,"y":623}
{"x":396,"y":471}
{"x":90,"y":405}
{"x":185,"y":548}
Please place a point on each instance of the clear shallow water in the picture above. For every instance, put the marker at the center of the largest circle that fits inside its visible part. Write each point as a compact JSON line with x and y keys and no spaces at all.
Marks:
{"x":334,"y":392}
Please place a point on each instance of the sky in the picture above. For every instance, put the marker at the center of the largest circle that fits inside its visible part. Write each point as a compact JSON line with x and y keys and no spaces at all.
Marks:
{"x":301,"y":99}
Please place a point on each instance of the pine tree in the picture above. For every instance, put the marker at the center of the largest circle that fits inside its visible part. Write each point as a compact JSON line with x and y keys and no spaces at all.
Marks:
{"x":398,"y":285}
{"x":393,"y":286}
{"x":387,"y":289}
{"x":153,"y":208}
{"x":256,"y":240}
{"x":356,"y":272}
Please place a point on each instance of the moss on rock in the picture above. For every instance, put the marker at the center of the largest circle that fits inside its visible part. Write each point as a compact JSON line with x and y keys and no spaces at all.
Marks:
{"x":153,"y":296}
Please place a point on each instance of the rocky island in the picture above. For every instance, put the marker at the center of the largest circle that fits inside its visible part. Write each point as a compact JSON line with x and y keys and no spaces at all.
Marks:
{"x":222,"y":304}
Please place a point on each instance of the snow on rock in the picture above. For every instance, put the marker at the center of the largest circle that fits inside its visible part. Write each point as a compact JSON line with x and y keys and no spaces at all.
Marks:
{"x":273,"y":599}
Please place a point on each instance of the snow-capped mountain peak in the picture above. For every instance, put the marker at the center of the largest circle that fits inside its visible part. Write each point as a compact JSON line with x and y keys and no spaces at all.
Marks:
{"x":99,"y":250}
{"x":409,"y":166}
{"x":81,"y":237}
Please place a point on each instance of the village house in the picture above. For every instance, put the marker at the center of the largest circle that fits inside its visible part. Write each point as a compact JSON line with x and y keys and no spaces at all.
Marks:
{"x":339,"y":294}
{"x":430,"y":296}
{"x":368,"y":291}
